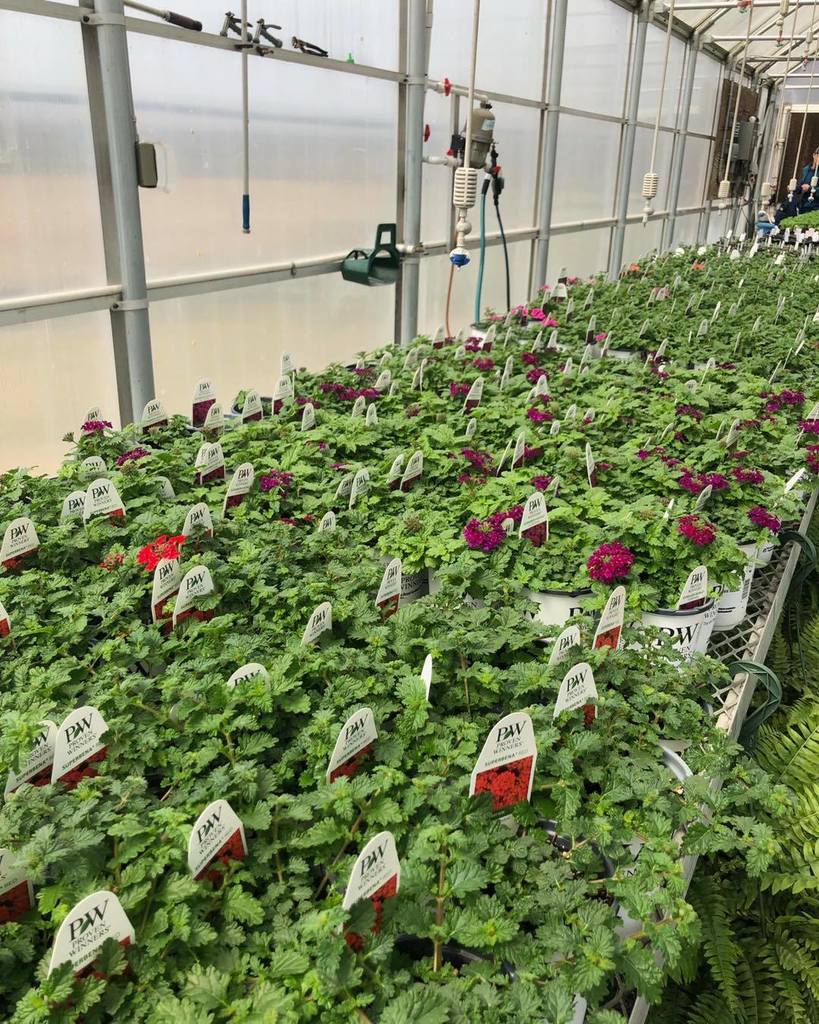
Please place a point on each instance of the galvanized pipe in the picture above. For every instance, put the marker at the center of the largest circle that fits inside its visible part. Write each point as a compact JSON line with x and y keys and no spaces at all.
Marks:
{"x":413,"y":166}
{"x":679,"y":156}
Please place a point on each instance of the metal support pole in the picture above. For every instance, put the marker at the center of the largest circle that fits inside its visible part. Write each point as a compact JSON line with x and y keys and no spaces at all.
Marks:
{"x":629,"y":138}
{"x":679,"y":156}
{"x":413,"y":166}
{"x":549,"y":157}
{"x":135,"y":376}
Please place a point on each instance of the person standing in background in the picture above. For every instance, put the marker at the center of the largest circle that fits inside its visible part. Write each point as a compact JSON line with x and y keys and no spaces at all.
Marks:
{"x":807,"y":200}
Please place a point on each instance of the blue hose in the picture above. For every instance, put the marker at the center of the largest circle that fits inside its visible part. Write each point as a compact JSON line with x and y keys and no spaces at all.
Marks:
{"x":479,"y":285}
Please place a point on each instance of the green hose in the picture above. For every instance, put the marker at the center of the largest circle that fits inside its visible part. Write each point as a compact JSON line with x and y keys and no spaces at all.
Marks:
{"x":479,"y":285}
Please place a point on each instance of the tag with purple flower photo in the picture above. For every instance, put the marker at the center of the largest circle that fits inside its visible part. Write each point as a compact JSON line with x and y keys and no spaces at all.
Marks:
{"x":564,"y":644}
{"x":239,"y":487}
{"x":154,"y":416}
{"x":389,"y":593}
{"x":695,"y":590}
{"x":506,"y":766}
{"x":204,"y":397}
{"x":534,"y":523}
{"x":282,"y":394}
{"x":20,"y":542}
{"x":78,"y":746}
{"x":578,"y":690}
{"x":610,"y":626}
{"x":167,"y":577}
{"x":319,"y":622}
{"x":196,"y":583}
{"x":252,"y":410}
{"x":353,"y":745}
{"x":537,"y":344}
{"x":589,"y":299}
{"x":591,"y":330}
{"x":413,"y":472}
{"x":102,"y":499}
{"x":198,"y":520}
{"x":209,"y":464}
{"x":473,"y":398}
{"x":569,"y":313}
{"x":217,"y":835}
{"x":551,"y":344}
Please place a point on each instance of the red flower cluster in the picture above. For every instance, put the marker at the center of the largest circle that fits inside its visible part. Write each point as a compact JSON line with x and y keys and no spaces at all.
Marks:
{"x":481,"y":462}
{"x":232,"y":850}
{"x":134,"y":455}
{"x":481,"y":363}
{"x":697,"y":482}
{"x":472,"y":345}
{"x":689,"y":410}
{"x":809,"y":426}
{"x":387,"y":891}
{"x":278,"y":479}
{"x":697,"y":530}
{"x":540,"y":483}
{"x":112,"y":560}
{"x":785,"y":397}
{"x":539,"y":415}
{"x":163,"y":547}
{"x":762,"y":517}
{"x":610,"y":562}
{"x":748,"y":476}
{"x":534,"y":375}
{"x":529,"y":358}
{"x":348,"y":394}
{"x":456,"y":389}
{"x":508,"y":784}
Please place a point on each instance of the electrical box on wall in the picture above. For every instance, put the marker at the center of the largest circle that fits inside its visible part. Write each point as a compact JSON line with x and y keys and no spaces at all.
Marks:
{"x":147,"y":173}
{"x":744,"y":140}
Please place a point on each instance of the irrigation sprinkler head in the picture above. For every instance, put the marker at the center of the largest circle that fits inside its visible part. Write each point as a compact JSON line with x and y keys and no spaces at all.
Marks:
{"x":459,"y":257}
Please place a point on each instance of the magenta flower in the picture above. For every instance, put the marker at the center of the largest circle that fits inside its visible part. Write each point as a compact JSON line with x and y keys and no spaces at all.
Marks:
{"x":697,"y":530}
{"x":91,"y":426}
{"x":550,"y":322}
{"x":812,"y":457}
{"x":481,"y":363}
{"x":483,"y":535}
{"x":276,"y":479}
{"x":809,"y":426}
{"x":610,"y":562}
{"x":134,"y":455}
{"x":456,"y":389}
{"x":792,"y":397}
{"x":739,"y":454}
{"x":763,"y":518}
{"x":643,"y":454}
{"x":531,"y":452}
{"x":541,"y":482}
{"x":472,"y":344}
{"x":539,"y":415}
{"x":571,"y":280}
{"x":339,"y":466}
{"x":698,"y":482}
{"x":363,"y":372}
{"x":534,"y":375}
{"x":529,"y":358}
{"x":480,"y":460}
{"x":601,"y":336}
{"x":689,"y":410}
{"x":748,"y":476}
{"x":536,"y":313}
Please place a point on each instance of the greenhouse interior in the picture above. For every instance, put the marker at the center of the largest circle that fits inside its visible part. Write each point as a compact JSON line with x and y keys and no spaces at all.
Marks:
{"x":444,"y":652}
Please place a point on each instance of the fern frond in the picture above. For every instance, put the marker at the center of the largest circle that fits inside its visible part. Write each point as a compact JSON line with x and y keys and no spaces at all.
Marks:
{"x":719,"y":945}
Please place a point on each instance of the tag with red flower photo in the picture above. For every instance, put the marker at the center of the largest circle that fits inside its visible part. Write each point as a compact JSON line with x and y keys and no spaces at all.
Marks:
{"x":568,"y":639}
{"x":610,"y":625}
{"x":5,"y":622}
{"x":197,"y":583}
{"x":353,"y":744}
{"x":282,"y":393}
{"x":210,"y":463}
{"x":167,"y":577}
{"x":238,"y":488}
{"x":218,"y":835}
{"x":591,"y":329}
{"x":395,"y":473}
{"x":154,"y":416}
{"x":214,"y":421}
{"x":78,"y":746}
{"x":506,"y":766}
{"x":204,"y":397}
{"x":376,"y":876}
{"x":102,"y":499}
{"x":20,"y":542}
{"x":36,"y":769}
{"x":474,"y":396}
{"x":198,"y":520}
{"x":252,"y":410}
{"x":16,"y":894}
{"x":578,"y":690}
{"x":319,"y":622}
{"x":534,"y":523}
{"x":252,"y":670}
{"x":413,"y":472}
{"x":695,"y":590}
{"x":86,"y":927}
{"x":389,"y":593}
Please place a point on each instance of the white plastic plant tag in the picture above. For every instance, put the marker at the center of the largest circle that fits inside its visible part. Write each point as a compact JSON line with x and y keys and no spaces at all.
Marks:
{"x":577,"y":690}
{"x":360,"y":486}
{"x":565,"y":643}
{"x":519,"y":452}
{"x":610,"y":626}
{"x":542,"y":386}
{"x":418,"y":380}
{"x":376,"y":874}
{"x":534,"y":523}
{"x":167,"y":577}
{"x":358,"y":407}
{"x":102,"y":499}
{"x":252,"y":407}
{"x":591,"y":330}
{"x":591,"y":467}
{"x":473,"y":398}
{"x":210,"y":463}
{"x":345,"y":487}
{"x":795,"y":479}
{"x":86,"y":927}
{"x":91,"y":467}
{"x":252,"y":670}
{"x":389,"y":593}
{"x":733,"y":433}
{"x":353,"y":744}
{"x":36,"y":769}
{"x":214,"y":420}
{"x":507,"y":372}
{"x":384,"y":380}
{"x":165,"y":488}
{"x":551,"y":344}
{"x":198,"y":520}
{"x":426,"y":674}
{"x":695,"y":589}
{"x":691,"y":385}
{"x":571,"y":413}
{"x":92,"y":415}
{"x":204,"y":396}
{"x":16,"y":893}
{"x":319,"y":622}
{"x":395,"y":473}
{"x":503,"y":458}
{"x":73,"y":506}
{"x":715,"y":314}
{"x":537,"y":344}
{"x":218,"y":834}
{"x":568,"y":366}
{"x":282,"y":393}
{"x":506,"y":766}
{"x":702,"y":498}
{"x":287,"y":364}
{"x":644,"y":327}
{"x":328,"y":522}
{"x":239,"y":487}
{"x":471,"y":427}
{"x":589,"y":415}
{"x":20,"y":541}
{"x":154,"y":415}
{"x":560,"y":292}
{"x":372,"y":415}
{"x":439,"y":337}
{"x":589,"y":299}
{"x":702,"y":330}
{"x":393,"y":388}
{"x":585,"y":359}
{"x":460,"y":352}
{"x":308,"y":417}
{"x":196,"y":583}
{"x":413,"y":472}
{"x":78,"y":746}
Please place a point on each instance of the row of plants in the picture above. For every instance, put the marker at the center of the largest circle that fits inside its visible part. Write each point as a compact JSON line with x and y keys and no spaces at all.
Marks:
{"x":207,"y":614}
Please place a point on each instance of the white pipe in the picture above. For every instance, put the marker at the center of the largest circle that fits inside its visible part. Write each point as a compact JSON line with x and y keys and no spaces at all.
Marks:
{"x":245,"y":128}
{"x":456,"y":90}
{"x":476,"y":16}
{"x":446,"y":161}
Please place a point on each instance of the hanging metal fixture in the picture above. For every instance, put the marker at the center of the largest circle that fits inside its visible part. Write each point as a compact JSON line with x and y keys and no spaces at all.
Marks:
{"x":651,"y":179}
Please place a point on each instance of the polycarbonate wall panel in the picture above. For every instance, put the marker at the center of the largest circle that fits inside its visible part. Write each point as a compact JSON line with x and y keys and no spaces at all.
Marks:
{"x":320,"y":143}
{"x":719,"y":223}
{"x":50,"y":234}
{"x":510,"y":45}
{"x":237,"y":337}
{"x":653,"y":74}
{"x":704,"y":97}
{"x":53,"y":371}
{"x":595,"y":62}
{"x":642,"y":163}
{"x":587,"y":153}
{"x":685,"y":230}
{"x":582,"y":253}
{"x":695,"y":170}
{"x":640,"y":240}
{"x":435,"y":278}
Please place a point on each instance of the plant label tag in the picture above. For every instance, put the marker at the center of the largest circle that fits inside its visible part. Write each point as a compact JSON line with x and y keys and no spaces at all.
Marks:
{"x":757,"y":325}
{"x":91,"y":467}
{"x":490,"y":335}
{"x":690,"y":304}
{"x":372,"y":415}
{"x":560,"y":292}
{"x":577,"y":690}
{"x":715,"y":314}
{"x":537,"y":344}
{"x":36,"y":769}
{"x":589,"y":299}
{"x":506,"y":766}
{"x":702,"y":498}
{"x":252,"y":410}
{"x":165,"y":489}
{"x":287,"y":364}
{"x":92,"y":415}
{"x":217,"y":835}
{"x":542,"y":386}
{"x":78,"y":746}
{"x":591,"y":330}
{"x":471,"y":427}
{"x":473,"y":398}
{"x":282,"y":393}
{"x":196,"y":583}
{"x":418,"y":380}
{"x":644,"y":327}
{"x":413,"y":472}
{"x":102,"y":499}
{"x":610,"y":625}
{"x":167,"y":577}
{"x":86,"y":927}
{"x":571,"y":413}
{"x":328,"y":522}
{"x":204,"y":397}
{"x":554,"y":428}
{"x":16,"y":893}
{"x":519,"y":452}
{"x":198,"y":520}
{"x":210,"y":463}
{"x":376,"y":875}
{"x":733,"y":310}
{"x":426,"y":674}
{"x":344,"y":488}
{"x":389,"y":593}
{"x":585,"y":359}
{"x":239,"y":487}
{"x":794,"y":480}
{"x":319,"y":622}
{"x":702,"y":330}
{"x":308,"y":417}
{"x":358,"y":407}
{"x":20,"y":541}
{"x":384,"y":380}
{"x":507,"y":372}
{"x":393,"y":388}
{"x":460,"y":352}
{"x":439,"y":337}
{"x":534,"y":523}
{"x":591,"y":468}
{"x":568,"y":366}
{"x":551,"y":344}
{"x":589,"y":415}
{"x":568,"y":639}
{"x":154,"y":415}
{"x":733,"y":434}
{"x":691,"y":385}
{"x":353,"y":744}
{"x":73,"y":506}
{"x":396,"y":472}
{"x":502,"y":461}
{"x":360,"y":486}
{"x":695,"y":590}
{"x":252,"y":670}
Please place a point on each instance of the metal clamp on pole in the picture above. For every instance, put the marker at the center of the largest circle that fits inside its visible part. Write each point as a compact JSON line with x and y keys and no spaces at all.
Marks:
{"x":128,"y":305}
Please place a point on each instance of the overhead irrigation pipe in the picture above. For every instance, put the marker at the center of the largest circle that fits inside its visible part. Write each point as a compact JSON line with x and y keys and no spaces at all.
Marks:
{"x":465,"y":186}
{"x":245,"y":127}
{"x":724,"y":192}
{"x":173,"y":19}
{"x":651,"y":179}
{"x":809,"y":49}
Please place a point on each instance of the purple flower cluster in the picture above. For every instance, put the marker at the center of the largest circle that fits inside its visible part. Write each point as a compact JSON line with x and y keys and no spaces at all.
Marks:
{"x":472,"y":345}
{"x":481,"y":467}
{"x":809,"y":426}
{"x":762,"y":517}
{"x":697,"y":482}
{"x":364,"y":372}
{"x":812,"y":457}
{"x":689,"y":410}
{"x":610,"y":562}
{"x":539,"y":415}
{"x":529,"y":358}
{"x":276,"y":479}
{"x":488,"y":534}
{"x":541,"y":482}
{"x":347,"y":394}
{"x":91,"y":426}
{"x":481,"y":363}
{"x":748,"y":476}
{"x":134,"y":455}
{"x":697,"y":530}
{"x":785,"y":397}
{"x":456,"y":389}
{"x":534,"y":375}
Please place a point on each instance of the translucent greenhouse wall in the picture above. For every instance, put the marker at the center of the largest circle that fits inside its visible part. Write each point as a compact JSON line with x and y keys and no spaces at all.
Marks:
{"x":325,"y":158}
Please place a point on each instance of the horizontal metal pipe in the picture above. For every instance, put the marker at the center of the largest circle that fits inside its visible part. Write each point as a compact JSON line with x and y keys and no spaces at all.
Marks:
{"x":731,"y":5}
{"x":757,"y":39}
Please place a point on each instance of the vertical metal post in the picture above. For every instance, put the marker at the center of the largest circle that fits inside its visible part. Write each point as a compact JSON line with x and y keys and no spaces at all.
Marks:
{"x":135,"y":373}
{"x":629,"y":139}
{"x":400,"y":159}
{"x":549,"y":157}
{"x":413,"y":166}
{"x":682,"y":130}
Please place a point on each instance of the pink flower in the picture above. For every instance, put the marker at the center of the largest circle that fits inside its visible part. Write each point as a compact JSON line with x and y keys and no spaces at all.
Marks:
{"x":276,"y":479}
{"x":695,"y":483}
{"x":536,"y":313}
{"x":483,"y":535}
{"x":481,"y":363}
{"x":610,"y":562}
{"x":473,"y":344}
{"x":550,"y":322}
{"x":809,"y":426}
{"x":697,"y":530}
{"x":531,"y":452}
{"x":480,"y":460}
{"x":792,"y":397}
{"x":761,"y":517}
{"x":91,"y":426}
{"x":812,"y":457}
{"x":541,"y":483}
{"x":643,"y":454}
{"x":539,"y":415}
{"x":748,"y":476}
{"x":571,"y":280}
{"x":529,"y":358}
{"x":601,"y":336}
{"x":134,"y":455}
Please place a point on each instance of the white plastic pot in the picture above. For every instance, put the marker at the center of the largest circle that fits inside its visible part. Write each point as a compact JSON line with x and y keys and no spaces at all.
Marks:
{"x":733,"y":604}
{"x":556,"y":607}
{"x":622,"y":353}
{"x":764,"y":553}
{"x":689,"y":629}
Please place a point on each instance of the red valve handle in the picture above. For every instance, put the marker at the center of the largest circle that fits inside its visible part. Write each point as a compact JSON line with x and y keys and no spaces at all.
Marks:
{"x":427,"y":133}
{"x":447,"y":86}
